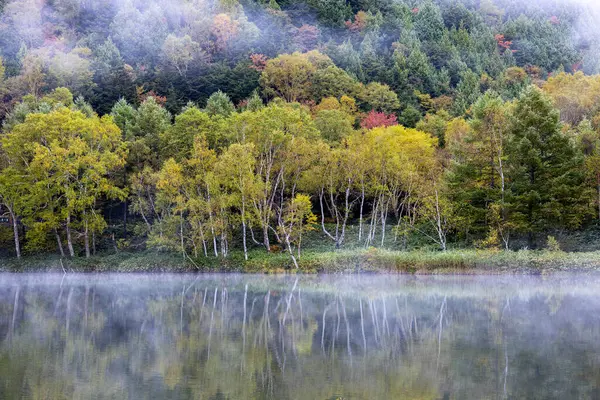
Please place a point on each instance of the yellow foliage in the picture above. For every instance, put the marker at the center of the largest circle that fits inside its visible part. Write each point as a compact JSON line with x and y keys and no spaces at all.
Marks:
{"x":576,"y":95}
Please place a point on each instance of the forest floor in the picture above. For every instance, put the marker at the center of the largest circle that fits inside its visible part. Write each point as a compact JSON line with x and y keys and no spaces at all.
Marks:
{"x":341,"y":261}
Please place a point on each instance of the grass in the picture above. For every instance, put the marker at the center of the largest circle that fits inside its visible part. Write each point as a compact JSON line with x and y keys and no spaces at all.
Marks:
{"x":583,"y":254}
{"x":343,"y":261}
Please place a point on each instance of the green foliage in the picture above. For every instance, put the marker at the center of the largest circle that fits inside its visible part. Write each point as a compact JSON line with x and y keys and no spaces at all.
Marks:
{"x":334,"y":125}
{"x":552,"y":244}
{"x":177,"y":141}
{"x":143,"y":131}
{"x":378,"y":97}
{"x":61,"y":164}
{"x":220,"y":104}
{"x":255,"y":103}
{"x":483,"y":167}
{"x":545,"y":168}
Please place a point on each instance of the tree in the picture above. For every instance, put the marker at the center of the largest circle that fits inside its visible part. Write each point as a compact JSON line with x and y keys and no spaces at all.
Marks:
{"x":224,"y":30}
{"x":332,"y":12}
{"x":13,"y":190}
{"x":379,"y":97}
{"x":296,"y":220}
{"x":112,"y":81}
{"x":478,"y":178}
{"x":589,"y":141}
{"x":177,"y":141}
{"x":170,"y":205}
{"x":375,"y":119}
{"x":435,"y":125}
{"x":180,"y":52}
{"x":143,"y":133}
{"x":437,"y":210}
{"x":544,"y":167}
{"x":289,"y":76}
{"x":332,"y":178}
{"x":307,"y":37}
{"x":575,"y":95}
{"x":334,"y":125}
{"x":219,"y":103}
{"x":66,"y":160}
{"x":139,"y":33}
{"x":274,"y":131}
{"x":32,"y":73}
{"x":429,"y":23}
{"x":333,"y":82}
{"x":255,"y":103}
{"x":467,"y":92}
{"x":72,"y":70}
{"x":235,"y":171}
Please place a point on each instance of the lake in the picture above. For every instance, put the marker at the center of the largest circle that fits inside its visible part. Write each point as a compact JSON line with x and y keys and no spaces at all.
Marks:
{"x":223,"y":336}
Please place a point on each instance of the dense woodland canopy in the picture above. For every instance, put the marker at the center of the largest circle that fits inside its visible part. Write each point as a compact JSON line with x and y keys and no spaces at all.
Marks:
{"x":209,"y":127}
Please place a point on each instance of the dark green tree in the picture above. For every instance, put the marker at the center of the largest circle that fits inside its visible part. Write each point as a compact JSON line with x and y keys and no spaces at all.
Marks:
{"x":545,"y":169}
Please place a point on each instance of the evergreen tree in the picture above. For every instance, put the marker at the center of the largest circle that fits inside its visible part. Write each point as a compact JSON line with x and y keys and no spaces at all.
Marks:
{"x":545,"y":169}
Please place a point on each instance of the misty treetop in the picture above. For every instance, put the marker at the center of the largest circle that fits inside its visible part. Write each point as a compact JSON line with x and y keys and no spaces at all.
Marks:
{"x":185,"y":50}
{"x":210,"y":127}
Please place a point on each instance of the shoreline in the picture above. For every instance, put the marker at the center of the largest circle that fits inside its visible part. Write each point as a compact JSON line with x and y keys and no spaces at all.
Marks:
{"x":452,"y":262}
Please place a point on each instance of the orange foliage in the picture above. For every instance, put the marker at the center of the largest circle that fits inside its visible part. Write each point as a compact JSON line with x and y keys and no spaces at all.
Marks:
{"x":360,"y":22}
{"x":502,"y":43}
{"x":224,"y":29}
{"x":259,"y":61}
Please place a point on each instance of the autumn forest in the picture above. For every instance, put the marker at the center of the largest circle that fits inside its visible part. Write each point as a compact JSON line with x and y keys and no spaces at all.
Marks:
{"x":239,"y":128}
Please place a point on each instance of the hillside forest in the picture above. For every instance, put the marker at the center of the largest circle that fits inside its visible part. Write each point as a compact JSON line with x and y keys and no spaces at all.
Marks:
{"x":212,"y":127}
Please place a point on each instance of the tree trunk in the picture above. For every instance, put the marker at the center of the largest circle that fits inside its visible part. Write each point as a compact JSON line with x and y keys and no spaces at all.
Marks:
{"x":125,"y":219}
{"x":325,"y":231}
{"x":69,"y":239}
{"x":203,"y":241}
{"x":266,"y":238}
{"x":181,"y":234}
{"x":125,"y":206}
{"x":291,"y":251}
{"x":440,"y":228}
{"x":86,"y":240}
{"x":244,"y":229}
{"x":59,"y":242}
{"x":599,"y":198}
{"x":360,"y":221}
{"x":384,"y":211}
{"x":15,"y":232}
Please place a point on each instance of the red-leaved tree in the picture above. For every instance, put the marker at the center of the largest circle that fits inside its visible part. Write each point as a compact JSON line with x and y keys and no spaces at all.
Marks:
{"x":375,"y":119}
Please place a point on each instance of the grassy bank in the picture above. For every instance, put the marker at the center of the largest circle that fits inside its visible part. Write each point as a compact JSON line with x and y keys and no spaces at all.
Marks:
{"x":346,"y":261}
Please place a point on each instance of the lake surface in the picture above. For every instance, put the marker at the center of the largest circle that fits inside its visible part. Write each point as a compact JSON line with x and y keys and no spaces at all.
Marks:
{"x":311,"y":337}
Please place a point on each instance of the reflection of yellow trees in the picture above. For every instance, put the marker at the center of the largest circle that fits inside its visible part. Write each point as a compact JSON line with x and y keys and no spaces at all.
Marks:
{"x":186,"y":341}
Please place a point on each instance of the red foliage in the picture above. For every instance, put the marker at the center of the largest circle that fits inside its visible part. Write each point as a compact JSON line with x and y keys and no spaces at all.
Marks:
{"x":502,"y":43}
{"x":307,"y":37}
{"x":162,"y":100}
{"x":554,"y":20}
{"x":259,"y":61}
{"x":375,"y":119}
{"x":360,"y":22}
{"x":415,"y":10}
{"x":577,"y":66}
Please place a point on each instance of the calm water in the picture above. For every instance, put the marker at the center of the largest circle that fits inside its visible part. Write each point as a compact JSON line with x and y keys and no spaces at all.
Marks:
{"x":316,"y":337}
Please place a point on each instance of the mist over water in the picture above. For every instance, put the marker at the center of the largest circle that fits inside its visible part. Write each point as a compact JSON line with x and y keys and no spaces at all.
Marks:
{"x":313,"y":337}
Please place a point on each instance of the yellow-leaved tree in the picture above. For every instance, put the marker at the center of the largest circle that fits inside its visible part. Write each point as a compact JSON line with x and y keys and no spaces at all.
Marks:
{"x":65,"y":160}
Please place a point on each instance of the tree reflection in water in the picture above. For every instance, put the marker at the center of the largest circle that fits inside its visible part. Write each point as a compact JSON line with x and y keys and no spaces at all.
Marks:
{"x":311,"y":337}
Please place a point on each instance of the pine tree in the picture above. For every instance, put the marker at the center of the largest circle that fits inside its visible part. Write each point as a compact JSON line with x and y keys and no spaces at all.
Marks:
{"x":545,"y":169}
